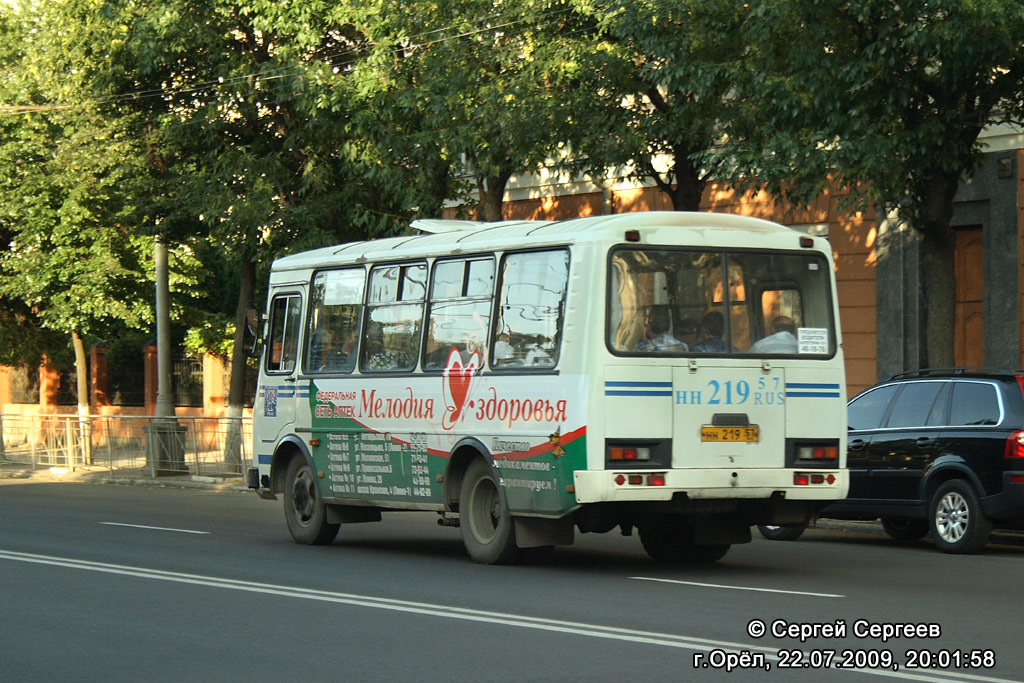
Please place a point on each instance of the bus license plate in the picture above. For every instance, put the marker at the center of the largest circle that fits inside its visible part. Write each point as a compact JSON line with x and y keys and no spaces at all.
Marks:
{"x":750,"y":433}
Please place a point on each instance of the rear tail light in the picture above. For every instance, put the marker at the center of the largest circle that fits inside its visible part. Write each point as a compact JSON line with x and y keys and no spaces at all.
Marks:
{"x":1015,"y":445}
{"x":629,"y":454}
{"x":817,"y":453}
{"x":634,"y":479}
{"x":812,"y":479}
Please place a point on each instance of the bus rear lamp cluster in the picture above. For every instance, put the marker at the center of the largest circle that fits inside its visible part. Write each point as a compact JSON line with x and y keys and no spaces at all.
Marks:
{"x":624,"y":453}
{"x":817,"y":453}
{"x":810,"y":479}
{"x":640,"y":479}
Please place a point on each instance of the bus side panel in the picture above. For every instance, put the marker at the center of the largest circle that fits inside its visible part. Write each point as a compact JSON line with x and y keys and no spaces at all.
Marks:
{"x":386,"y":440}
{"x":361,"y":462}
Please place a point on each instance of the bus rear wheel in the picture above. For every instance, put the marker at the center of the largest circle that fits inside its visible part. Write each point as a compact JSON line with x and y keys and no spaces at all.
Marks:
{"x":671,"y":542}
{"x":488,"y":530}
{"x":304,"y":510}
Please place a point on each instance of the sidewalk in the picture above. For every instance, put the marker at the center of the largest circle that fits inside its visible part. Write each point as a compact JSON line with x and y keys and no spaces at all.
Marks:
{"x":95,"y":474}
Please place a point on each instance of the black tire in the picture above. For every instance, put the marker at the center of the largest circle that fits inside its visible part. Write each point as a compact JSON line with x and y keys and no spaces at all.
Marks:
{"x":664,"y":541}
{"x":710,"y":553}
{"x":488,"y":531}
{"x":667,"y":541}
{"x":905,"y":529}
{"x":304,"y":510}
{"x":958,"y":523}
{"x":789,"y":532}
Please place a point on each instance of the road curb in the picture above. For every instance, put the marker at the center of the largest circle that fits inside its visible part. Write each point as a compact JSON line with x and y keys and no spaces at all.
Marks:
{"x":19,"y":472}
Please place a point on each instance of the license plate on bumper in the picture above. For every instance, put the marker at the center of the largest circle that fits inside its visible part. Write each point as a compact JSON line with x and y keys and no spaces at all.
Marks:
{"x":750,"y":433}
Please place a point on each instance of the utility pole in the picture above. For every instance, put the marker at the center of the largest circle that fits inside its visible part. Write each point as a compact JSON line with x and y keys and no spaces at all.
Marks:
{"x":164,"y":399}
{"x":165,"y":443}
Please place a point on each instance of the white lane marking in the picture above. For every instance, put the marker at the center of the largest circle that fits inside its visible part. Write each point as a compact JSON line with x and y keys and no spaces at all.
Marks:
{"x":448,"y":612}
{"x":738,"y":588}
{"x":157,"y":528}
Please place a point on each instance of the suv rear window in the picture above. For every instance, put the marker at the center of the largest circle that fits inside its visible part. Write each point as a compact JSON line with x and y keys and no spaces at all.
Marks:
{"x":868,"y":410}
{"x":975,"y":403}
{"x":915,"y":404}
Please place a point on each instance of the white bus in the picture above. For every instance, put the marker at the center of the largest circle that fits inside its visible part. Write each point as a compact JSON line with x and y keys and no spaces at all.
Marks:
{"x":680,"y":374}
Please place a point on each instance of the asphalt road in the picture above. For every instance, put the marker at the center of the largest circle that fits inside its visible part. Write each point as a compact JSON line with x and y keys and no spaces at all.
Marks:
{"x":118,"y":583}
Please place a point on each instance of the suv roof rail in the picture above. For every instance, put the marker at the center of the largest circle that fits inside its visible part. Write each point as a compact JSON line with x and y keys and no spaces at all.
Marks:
{"x":924,"y":372}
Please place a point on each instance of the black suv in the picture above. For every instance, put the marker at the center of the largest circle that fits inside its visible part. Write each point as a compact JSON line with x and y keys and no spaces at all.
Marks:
{"x":939,"y":450}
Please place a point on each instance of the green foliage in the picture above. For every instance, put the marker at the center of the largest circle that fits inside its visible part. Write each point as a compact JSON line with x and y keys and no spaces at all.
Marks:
{"x":889,"y":97}
{"x":242,"y":130}
{"x":657,"y":86}
{"x":214,"y":336}
{"x":465,"y":87}
{"x":69,"y":176}
{"x":126,"y":345}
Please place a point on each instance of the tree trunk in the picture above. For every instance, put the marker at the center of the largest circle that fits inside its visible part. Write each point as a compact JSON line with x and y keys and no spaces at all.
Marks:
{"x":938,"y":302}
{"x":492,"y":193}
{"x":937,"y":271}
{"x":82,"y":384}
{"x":438,"y":189}
{"x":236,"y":386}
{"x":688,"y":189}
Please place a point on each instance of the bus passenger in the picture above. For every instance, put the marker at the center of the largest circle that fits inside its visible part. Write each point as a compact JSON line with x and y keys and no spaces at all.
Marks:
{"x":688,"y":331}
{"x":503,"y":349}
{"x":537,"y":356}
{"x":658,"y":337}
{"x":782,"y":339}
{"x":714,"y":327}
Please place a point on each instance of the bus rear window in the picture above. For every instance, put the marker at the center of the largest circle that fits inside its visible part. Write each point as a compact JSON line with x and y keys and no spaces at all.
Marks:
{"x":680,"y":301}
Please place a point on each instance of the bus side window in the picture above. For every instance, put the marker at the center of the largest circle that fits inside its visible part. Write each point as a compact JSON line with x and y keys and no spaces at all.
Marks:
{"x":460,"y":310}
{"x":336,"y":304}
{"x":394,"y":318}
{"x":531,"y":303}
{"x":283,"y":344}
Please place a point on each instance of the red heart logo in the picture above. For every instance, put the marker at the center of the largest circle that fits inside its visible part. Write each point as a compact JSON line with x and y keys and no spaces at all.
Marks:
{"x":456,"y":388}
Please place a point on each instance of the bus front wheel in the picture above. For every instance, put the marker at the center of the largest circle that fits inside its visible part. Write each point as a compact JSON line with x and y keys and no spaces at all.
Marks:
{"x":487,"y":527}
{"x":304,"y":510}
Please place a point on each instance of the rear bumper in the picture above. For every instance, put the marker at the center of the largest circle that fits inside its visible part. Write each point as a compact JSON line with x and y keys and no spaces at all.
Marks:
{"x":602,"y":486}
{"x":1009,"y":504}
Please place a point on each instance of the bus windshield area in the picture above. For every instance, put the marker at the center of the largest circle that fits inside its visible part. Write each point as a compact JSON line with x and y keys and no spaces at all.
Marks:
{"x":665,"y":301}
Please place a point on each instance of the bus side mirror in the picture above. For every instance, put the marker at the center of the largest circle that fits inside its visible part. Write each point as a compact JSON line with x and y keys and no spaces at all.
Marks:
{"x":252,"y":339}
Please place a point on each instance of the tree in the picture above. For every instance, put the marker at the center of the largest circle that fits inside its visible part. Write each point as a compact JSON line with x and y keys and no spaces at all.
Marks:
{"x":72,"y":263}
{"x":253,"y":139}
{"x":888,"y":98}
{"x":477,"y":87}
{"x":663,"y":85}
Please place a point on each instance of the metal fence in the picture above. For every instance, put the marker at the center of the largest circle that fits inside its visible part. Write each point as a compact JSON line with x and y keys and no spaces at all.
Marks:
{"x":187,"y":380}
{"x":206,"y":446}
